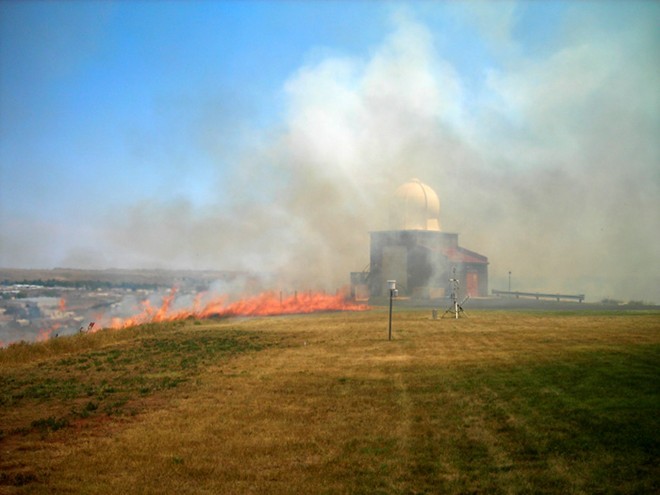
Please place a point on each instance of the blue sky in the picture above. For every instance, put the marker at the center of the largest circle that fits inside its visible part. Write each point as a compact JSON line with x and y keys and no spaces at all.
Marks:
{"x":178,"y":134}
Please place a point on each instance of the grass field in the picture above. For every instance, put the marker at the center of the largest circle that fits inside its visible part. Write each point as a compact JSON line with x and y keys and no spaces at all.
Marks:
{"x":500,"y":402}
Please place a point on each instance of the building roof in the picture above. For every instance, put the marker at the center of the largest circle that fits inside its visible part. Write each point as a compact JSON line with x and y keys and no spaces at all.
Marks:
{"x":462,"y":255}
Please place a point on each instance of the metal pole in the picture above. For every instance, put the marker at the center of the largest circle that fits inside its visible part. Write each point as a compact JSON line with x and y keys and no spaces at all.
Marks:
{"x":390,"y":328}
{"x":509,"y":281}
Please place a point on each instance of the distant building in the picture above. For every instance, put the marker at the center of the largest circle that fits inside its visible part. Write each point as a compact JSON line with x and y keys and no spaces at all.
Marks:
{"x":417,"y":254}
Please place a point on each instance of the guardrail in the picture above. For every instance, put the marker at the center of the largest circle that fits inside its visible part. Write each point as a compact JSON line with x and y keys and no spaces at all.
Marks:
{"x":539,"y":295}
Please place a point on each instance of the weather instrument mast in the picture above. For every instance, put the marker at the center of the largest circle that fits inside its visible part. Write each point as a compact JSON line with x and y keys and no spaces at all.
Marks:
{"x":391,"y":285}
{"x":456,"y":307}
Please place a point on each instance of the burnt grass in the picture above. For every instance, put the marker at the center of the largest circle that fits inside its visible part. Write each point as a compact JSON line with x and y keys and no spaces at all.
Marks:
{"x":115,"y":380}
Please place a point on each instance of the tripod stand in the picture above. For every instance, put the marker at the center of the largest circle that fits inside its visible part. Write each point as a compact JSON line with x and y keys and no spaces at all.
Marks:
{"x":456,"y":307}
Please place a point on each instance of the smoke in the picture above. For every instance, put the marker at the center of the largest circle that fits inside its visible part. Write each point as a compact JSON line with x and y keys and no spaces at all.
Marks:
{"x":550,"y":168}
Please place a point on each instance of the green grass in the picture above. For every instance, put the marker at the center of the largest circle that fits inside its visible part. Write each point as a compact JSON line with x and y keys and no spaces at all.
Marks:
{"x":593,"y":406}
{"x":111,"y":379}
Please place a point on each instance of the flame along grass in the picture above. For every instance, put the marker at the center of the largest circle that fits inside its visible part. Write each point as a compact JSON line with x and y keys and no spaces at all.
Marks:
{"x":497,"y":403}
{"x":264,"y":304}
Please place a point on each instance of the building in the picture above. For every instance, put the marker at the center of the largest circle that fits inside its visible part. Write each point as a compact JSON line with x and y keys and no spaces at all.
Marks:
{"x":418,"y":254}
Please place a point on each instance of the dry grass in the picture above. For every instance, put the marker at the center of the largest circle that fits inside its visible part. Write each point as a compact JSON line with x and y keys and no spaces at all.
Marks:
{"x":496,"y":403}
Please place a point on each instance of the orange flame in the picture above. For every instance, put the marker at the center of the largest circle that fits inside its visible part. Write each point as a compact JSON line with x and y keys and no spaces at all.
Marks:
{"x":45,"y":333}
{"x":265,"y":304}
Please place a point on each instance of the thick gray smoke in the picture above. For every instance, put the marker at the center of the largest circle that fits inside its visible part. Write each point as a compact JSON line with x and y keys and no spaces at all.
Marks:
{"x":551,"y":171}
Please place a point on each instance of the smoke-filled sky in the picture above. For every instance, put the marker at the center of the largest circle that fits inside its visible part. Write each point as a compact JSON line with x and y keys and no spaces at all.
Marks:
{"x":270,"y":136}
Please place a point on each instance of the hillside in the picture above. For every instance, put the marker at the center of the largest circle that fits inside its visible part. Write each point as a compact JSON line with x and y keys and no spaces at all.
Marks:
{"x":500,"y":402}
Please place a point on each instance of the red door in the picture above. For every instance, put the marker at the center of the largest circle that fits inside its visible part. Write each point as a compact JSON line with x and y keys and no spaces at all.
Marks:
{"x":472,"y":284}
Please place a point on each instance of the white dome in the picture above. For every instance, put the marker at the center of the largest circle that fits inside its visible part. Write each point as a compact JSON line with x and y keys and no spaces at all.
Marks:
{"x":415,"y":206}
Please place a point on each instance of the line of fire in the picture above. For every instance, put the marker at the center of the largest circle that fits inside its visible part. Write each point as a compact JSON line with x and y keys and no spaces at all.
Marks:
{"x":426,"y":265}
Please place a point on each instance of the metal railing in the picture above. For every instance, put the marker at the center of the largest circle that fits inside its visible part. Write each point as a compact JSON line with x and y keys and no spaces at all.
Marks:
{"x":539,"y":295}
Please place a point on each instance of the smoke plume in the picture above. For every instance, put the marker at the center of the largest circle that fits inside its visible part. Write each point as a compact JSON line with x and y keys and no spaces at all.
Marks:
{"x":550,"y":168}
